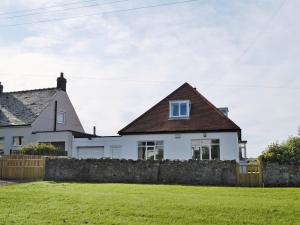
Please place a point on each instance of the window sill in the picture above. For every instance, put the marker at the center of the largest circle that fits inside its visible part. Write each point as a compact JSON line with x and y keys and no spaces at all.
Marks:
{"x":179,"y":118}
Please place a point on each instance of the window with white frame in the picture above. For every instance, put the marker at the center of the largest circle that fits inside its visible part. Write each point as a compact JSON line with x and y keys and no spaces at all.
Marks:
{"x":1,"y":145}
{"x":180,"y":109}
{"x":153,"y":150}
{"x":61,"y":117}
{"x":206,"y":149}
{"x":18,"y":140}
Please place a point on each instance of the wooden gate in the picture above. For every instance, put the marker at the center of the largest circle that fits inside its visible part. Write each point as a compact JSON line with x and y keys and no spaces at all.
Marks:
{"x":22,"y":167}
{"x":249,"y":175}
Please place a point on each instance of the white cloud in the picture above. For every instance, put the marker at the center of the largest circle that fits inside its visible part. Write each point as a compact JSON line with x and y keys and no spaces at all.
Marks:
{"x":119,"y":65}
{"x":40,"y":42}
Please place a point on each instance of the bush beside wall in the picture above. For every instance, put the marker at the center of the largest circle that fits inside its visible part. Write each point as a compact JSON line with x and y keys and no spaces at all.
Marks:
{"x":41,"y":149}
{"x":130,"y":171}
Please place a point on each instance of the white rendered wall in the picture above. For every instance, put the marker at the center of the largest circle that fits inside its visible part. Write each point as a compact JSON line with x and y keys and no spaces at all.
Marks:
{"x":106,"y":142}
{"x":176,"y":146}
{"x":28,"y":137}
{"x":66,"y":137}
{"x":9,"y":132}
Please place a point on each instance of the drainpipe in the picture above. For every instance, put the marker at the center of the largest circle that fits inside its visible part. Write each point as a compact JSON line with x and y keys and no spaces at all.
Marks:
{"x":55,"y":115}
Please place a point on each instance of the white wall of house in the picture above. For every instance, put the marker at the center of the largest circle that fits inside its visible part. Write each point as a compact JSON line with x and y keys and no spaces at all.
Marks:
{"x":176,"y":146}
{"x":9,"y":132}
{"x":86,"y":144}
{"x":28,"y":137}
{"x":65,"y":136}
{"x":45,"y":121}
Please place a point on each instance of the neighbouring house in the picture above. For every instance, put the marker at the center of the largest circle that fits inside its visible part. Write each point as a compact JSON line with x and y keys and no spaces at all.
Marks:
{"x":184,"y":125}
{"x":38,"y":116}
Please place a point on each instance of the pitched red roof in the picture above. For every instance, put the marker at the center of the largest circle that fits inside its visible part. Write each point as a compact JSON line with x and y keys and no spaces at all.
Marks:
{"x":204,"y":116}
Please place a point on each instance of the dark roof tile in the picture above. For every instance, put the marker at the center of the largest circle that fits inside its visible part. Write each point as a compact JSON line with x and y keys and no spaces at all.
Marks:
{"x":204,"y":116}
{"x":23,"y":107}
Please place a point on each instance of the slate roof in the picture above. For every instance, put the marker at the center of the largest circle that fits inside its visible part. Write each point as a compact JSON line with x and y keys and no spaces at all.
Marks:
{"x":204,"y":116}
{"x":23,"y":107}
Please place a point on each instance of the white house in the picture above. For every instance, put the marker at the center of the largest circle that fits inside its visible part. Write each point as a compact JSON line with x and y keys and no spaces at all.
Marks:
{"x":184,"y":125}
{"x":37,"y":116}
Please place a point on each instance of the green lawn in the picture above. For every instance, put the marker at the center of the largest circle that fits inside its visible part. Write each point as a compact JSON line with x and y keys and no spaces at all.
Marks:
{"x":77,"y":203}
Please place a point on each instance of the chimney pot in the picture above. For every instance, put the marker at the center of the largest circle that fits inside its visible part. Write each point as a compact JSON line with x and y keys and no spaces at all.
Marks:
{"x":1,"y":88}
{"x":94,"y":130}
{"x":62,"y":82}
{"x":224,"y":110}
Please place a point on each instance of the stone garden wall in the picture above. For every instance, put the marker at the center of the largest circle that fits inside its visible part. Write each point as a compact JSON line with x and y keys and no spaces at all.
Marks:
{"x":129,"y":171}
{"x":275,"y":174}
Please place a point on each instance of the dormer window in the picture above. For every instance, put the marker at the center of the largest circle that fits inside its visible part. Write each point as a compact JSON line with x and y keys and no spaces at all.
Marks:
{"x":180,"y":109}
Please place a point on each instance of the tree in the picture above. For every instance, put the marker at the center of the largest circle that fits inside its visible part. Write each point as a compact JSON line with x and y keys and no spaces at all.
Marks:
{"x":286,"y":152}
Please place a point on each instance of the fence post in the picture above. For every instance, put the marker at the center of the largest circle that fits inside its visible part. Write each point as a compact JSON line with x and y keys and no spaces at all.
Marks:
{"x":260,"y":167}
{"x":1,"y":162}
{"x":22,"y":168}
{"x":44,"y":167}
{"x":237,"y":174}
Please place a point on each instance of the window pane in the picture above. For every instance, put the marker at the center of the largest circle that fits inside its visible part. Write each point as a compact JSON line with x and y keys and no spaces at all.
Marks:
{"x":196,"y":153}
{"x":215,"y":152}
{"x":152,"y":150}
{"x":17,"y":140}
{"x":205,"y":142}
{"x":141,"y":144}
{"x":141,"y":153}
{"x":183,"y":109}
{"x":61,"y":117}
{"x":150,"y":143}
{"x":150,"y":154}
{"x":175,"y":109}
{"x":205,"y":152}
{"x":160,"y":153}
{"x":215,"y":141}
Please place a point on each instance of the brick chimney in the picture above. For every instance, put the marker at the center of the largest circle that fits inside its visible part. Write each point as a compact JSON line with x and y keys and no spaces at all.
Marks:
{"x":61,"y":82}
{"x":1,"y":88}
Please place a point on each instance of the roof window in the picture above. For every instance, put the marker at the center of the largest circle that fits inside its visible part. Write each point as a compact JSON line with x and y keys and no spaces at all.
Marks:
{"x":180,"y":109}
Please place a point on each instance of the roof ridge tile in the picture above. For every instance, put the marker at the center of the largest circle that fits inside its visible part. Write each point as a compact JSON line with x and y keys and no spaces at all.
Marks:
{"x":30,"y":90}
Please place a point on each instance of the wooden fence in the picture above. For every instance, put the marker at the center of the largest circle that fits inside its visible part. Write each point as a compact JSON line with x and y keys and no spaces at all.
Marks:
{"x":249,"y":175}
{"x":19,"y":167}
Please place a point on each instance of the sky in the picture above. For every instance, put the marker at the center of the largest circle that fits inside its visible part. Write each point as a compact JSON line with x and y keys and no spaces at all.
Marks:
{"x":121,"y":57}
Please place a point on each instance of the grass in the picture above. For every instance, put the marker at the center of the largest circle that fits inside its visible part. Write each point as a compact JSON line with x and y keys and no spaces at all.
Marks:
{"x":78,"y":203}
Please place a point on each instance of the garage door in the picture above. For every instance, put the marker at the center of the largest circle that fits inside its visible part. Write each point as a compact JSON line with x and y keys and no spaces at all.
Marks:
{"x":91,"y":152}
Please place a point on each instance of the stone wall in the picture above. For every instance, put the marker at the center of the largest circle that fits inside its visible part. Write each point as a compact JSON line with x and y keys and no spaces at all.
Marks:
{"x":275,"y":174}
{"x":130,"y":171}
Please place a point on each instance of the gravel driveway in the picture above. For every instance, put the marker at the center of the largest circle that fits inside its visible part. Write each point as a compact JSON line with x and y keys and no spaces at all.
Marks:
{"x":5,"y":182}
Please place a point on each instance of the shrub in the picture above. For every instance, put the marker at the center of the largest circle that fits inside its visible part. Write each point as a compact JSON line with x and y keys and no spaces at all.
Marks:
{"x":41,"y":149}
{"x":286,"y":152}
